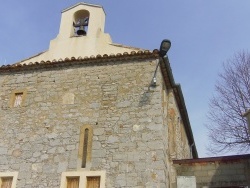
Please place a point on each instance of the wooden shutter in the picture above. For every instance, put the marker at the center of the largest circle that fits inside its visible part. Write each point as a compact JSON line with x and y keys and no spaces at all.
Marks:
{"x":73,"y":182}
{"x":93,"y":182}
{"x":6,"y":182}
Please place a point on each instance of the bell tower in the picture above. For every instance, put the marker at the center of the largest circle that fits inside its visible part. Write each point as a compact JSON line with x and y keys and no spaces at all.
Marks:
{"x":81,"y":34}
{"x":82,"y":20}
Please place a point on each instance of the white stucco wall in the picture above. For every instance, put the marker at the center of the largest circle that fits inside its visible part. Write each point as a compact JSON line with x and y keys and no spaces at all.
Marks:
{"x":95,"y":42}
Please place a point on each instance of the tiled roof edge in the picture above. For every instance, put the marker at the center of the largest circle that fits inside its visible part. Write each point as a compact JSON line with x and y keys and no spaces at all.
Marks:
{"x":230,"y":158}
{"x":92,"y":59}
{"x":170,"y":83}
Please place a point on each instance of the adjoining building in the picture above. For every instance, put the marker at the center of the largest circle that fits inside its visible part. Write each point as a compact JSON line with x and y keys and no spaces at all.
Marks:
{"x":91,"y":113}
{"x":227,"y":171}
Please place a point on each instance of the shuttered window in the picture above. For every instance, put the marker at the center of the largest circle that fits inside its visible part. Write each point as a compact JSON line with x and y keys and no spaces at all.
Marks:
{"x":73,"y":182}
{"x":6,"y":182}
{"x":93,"y":182}
{"x":18,"y":99}
{"x":83,"y":179}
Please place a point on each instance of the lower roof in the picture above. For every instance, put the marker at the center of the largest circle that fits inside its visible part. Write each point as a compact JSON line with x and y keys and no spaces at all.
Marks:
{"x":221,"y":159}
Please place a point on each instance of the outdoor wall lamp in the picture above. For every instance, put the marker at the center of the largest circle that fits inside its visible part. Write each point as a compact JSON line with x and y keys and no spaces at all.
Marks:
{"x":165,"y":46}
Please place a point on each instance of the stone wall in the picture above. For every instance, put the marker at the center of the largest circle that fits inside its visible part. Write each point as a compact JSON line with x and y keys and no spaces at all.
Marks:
{"x":229,"y":171}
{"x":177,"y":144}
{"x":40,"y":139}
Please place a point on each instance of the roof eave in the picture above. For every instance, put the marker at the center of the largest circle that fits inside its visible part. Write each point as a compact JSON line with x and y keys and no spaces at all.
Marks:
{"x":220,"y":159}
{"x":170,"y":83}
{"x":134,"y":55}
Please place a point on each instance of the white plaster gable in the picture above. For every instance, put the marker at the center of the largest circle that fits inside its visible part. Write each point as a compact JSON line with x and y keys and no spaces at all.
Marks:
{"x":67,"y":44}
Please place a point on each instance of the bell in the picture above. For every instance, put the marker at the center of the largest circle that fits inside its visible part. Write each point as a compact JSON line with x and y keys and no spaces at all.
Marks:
{"x":81,"y":31}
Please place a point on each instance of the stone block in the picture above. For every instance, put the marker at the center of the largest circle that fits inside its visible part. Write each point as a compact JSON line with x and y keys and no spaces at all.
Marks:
{"x":96,"y":145}
{"x":133,"y":156}
{"x":98,"y":131}
{"x":70,"y":147}
{"x":155,"y":127}
{"x":113,"y":139}
{"x":4,"y":160}
{"x":119,"y":157}
{"x":129,"y":146}
{"x":120,"y":180}
{"x":155,"y":145}
{"x":123,"y":104}
{"x":100,"y":153}
{"x":62,"y":167}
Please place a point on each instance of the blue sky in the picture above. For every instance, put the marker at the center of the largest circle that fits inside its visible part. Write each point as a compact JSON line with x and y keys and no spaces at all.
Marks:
{"x":203,"y":35}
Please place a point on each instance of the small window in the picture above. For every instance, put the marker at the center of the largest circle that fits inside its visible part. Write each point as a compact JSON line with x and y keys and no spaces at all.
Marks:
{"x":73,"y":182}
{"x":6,"y":182}
{"x":8,"y":179}
{"x":18,"y":99}
{"x":85,"y":146}
{"x":93,"y":182}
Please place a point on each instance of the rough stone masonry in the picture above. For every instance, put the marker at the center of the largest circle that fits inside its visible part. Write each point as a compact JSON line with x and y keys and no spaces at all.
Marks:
{"x":40,"y":139}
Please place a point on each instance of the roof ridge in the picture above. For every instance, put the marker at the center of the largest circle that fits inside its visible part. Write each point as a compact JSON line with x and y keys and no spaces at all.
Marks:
{"x":81,"y":3}
{"x":125,"y":46}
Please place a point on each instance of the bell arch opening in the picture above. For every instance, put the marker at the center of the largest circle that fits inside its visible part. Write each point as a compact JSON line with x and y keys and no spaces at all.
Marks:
{"x":80,"y":23}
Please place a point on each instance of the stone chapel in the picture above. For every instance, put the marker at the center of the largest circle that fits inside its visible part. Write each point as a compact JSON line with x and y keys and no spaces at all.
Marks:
{"x":91,"y":113}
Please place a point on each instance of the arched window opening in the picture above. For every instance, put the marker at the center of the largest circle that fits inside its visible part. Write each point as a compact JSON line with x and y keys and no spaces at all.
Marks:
{"x":81,"y":22}
{"x":85,"y":148}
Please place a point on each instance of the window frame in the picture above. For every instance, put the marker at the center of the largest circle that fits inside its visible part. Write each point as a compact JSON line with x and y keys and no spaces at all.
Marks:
{"x":14,"y":93}
{"x":12,"y":175}
{"x":83,"y":177}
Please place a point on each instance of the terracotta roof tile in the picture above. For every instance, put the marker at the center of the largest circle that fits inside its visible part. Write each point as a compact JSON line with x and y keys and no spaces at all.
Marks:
{"x":221,"y":159}
{"x":92,"y":59}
